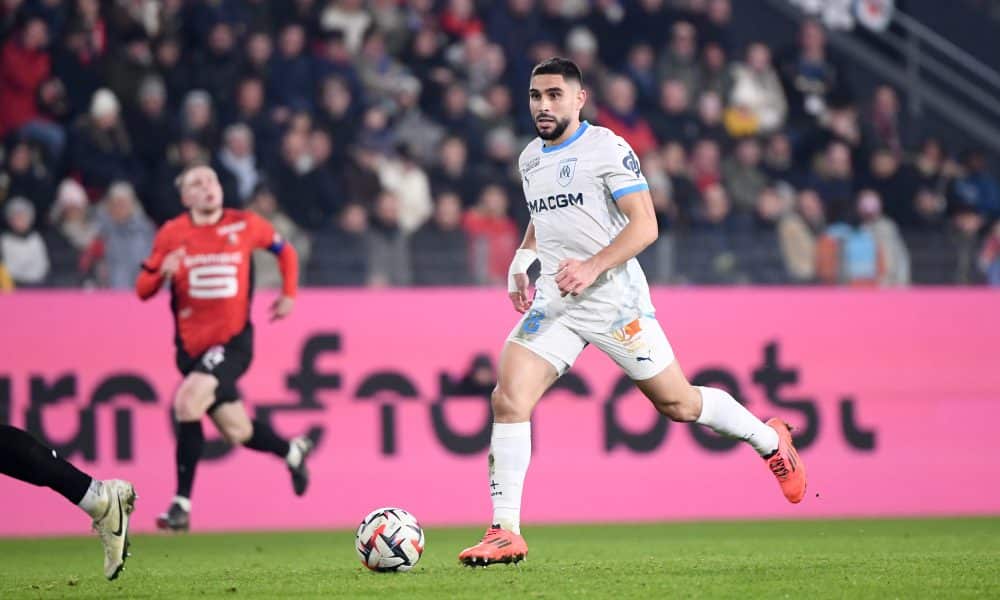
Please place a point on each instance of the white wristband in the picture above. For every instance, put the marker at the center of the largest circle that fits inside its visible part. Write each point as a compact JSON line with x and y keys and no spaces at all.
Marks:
{"x":523,"y":258}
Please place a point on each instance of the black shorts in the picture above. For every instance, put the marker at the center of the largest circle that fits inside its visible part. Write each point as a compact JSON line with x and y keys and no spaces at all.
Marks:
{"x":226,"y":362}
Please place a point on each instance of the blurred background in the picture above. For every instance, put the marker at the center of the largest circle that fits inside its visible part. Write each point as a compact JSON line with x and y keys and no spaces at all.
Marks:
{"x":787,"y":142}
{"x":797,"y":144}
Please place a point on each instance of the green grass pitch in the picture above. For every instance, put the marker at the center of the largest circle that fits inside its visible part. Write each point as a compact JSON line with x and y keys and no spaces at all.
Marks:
{"x":928,"y":558}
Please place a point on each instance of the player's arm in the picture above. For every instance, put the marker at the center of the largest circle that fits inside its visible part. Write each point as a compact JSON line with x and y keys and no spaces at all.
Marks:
{"x":574,"y":276}
{"x":517,"y":275}
{"x":288,"y":264}
{"x":160,"y":266}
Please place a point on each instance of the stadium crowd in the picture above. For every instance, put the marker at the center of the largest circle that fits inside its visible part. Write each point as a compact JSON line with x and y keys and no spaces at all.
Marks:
{"x":381,"y":137}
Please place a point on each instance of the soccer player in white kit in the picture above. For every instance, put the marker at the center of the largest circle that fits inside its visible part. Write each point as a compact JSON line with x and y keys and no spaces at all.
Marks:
{"x":591,"y":214}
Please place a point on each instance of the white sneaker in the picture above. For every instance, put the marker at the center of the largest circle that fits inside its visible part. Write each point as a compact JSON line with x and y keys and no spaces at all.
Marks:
{"x":112,"y":526}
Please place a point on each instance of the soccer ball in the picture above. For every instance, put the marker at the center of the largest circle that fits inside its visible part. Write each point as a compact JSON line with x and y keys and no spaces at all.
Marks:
{"x":389,"y":539}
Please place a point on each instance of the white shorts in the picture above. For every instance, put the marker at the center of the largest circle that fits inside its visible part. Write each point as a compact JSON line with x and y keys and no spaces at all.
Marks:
{"x":640,"y":348}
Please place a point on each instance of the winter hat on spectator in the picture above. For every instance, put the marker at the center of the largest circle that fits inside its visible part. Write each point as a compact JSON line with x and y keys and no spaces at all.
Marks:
{"x":580,"y":40}
{"x":18,"y":205}
{"x":69,"y":194}
{"x":104,"y":103}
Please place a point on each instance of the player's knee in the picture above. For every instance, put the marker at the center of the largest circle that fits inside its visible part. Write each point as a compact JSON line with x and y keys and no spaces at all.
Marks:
{"x":237,"y":434}
{"x":684,"y":408}
{"x":189,"y":403}
{"x":506,"y":408}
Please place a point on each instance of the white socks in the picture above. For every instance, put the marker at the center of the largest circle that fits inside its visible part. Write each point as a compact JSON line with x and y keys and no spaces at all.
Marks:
{"x":94,"y":501}
{"x":723,"y":414}
{"x":294,"y":456}
{"x":510,"y":454}
{"x":183,"y":502}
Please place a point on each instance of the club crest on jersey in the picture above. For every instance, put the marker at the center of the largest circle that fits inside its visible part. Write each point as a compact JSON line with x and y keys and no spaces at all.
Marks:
{"x":230,"y":231}
{"x":567,"y":169}
{"x":631,"y":163}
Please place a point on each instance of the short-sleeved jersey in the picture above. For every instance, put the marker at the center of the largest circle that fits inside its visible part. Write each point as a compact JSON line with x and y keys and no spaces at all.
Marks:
{"x":210,"y":292}
{"x":571,"y":190}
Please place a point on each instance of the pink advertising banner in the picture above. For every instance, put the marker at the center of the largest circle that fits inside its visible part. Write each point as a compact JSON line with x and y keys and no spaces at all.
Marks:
{"x":895,"y":396}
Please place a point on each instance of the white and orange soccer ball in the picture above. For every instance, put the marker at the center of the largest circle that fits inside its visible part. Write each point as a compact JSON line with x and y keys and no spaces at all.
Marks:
{"x":389,"y":539}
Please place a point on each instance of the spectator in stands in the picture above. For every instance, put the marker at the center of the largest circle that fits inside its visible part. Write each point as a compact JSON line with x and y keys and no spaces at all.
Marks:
{"x":977,"y":187}
{"x":237,"y":158}
{"x":684,"y":195}
{"x":798,"y":232}
{"x":640,"y":68}
{"x":705,"y":170}
{"x":102,"y":147}
{"x":493,"y":236}
{"x":338,"y":113}
{"x":218,"y":66}
{"x":300,"y":186}
{"x":989,"y":256}
{"x":833,"y":179}
{"x":198,"y":118}
{"x":718,"y":22}
{"x":348,"y":17}
{"x":778,"y":163}
{"x":895,"y":184}
{"x":967,"y":226}
{"x":329,"y":169}
{"x":895,"y":258}
{"x":388,"y":249}
{"x":21,"y":246}
{"x":458,"y":120}
{"x":673,"y":120}
{"x":710,"y":115}
{"x":500,"y":162}
{"x":680,"y":59}
{"x":849,"y":254}
{"x":76,"y":62}
{"x":809,"y":74}
{"x":152,"y":122}
{"x":266,"y":273}
{"x":72,"y":232}
{"x":757,"y":90}
{"x":290,"y":81}
{"x":402,"y":176}
{"x":498,"y":110}
{"x":714,"y":73}
{"x":760,"y":253}
{"x":440,"y":248}
{"x":124,"y":238}
{"x":882,"y":124}
{"x":25,"y":174}
{"x":380,"y":72}
{"x":930,"y":212}
{"x":453,"y":172}
{"x":251,"y":110}
{"x":742,"y":175}
{"x":427,"y":63}
{"x":459,"y":19}
{"x":173,"y":66}
{"x":618,"y":113}
{"x":412,"y":127}
{"x":130,"y":66}
{"x":340,"y":252}
{"x":258,"y":49}
{"x":582,"y":48}
{"x":24,"y":65}
{"x":929,"y":165}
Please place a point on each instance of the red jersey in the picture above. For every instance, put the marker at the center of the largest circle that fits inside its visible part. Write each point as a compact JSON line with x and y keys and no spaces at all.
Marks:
{"x":211,"y":289}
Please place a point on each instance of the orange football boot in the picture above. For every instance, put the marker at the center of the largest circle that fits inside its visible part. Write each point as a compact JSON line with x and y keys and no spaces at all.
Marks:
{"x":786,"y":465}
{"x":497,"y":546}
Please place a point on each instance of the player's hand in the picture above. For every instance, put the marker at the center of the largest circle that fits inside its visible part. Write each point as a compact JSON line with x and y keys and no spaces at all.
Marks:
{"x":282,"y":307}
{"x":172,"y":262}
{"x":574,"y":276}
{"x":520,"y":298}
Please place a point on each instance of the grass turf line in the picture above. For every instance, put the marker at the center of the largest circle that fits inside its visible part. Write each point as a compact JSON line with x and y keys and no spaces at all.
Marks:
{"x":922,"y":558}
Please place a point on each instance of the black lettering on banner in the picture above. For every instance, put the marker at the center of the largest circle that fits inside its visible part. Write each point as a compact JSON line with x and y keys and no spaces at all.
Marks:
{"x":855,"y":436}
{"x":614,"y":434}
{"x":84,"y":440}
{"x":307,"y":381}
{"x":375,"y":386}
{"x":720,"y":378}
{"x":5,"y":401}
{"x":772,"y":377}
{"x":454,"y":441}
{"x":124,"y":384}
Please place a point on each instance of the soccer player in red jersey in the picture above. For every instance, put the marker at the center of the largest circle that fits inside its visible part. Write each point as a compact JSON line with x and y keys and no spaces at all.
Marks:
{"x":205,"y":255}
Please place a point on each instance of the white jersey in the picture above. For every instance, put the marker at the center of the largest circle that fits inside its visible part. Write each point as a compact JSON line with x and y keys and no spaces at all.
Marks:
{"x":571,"y":191}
